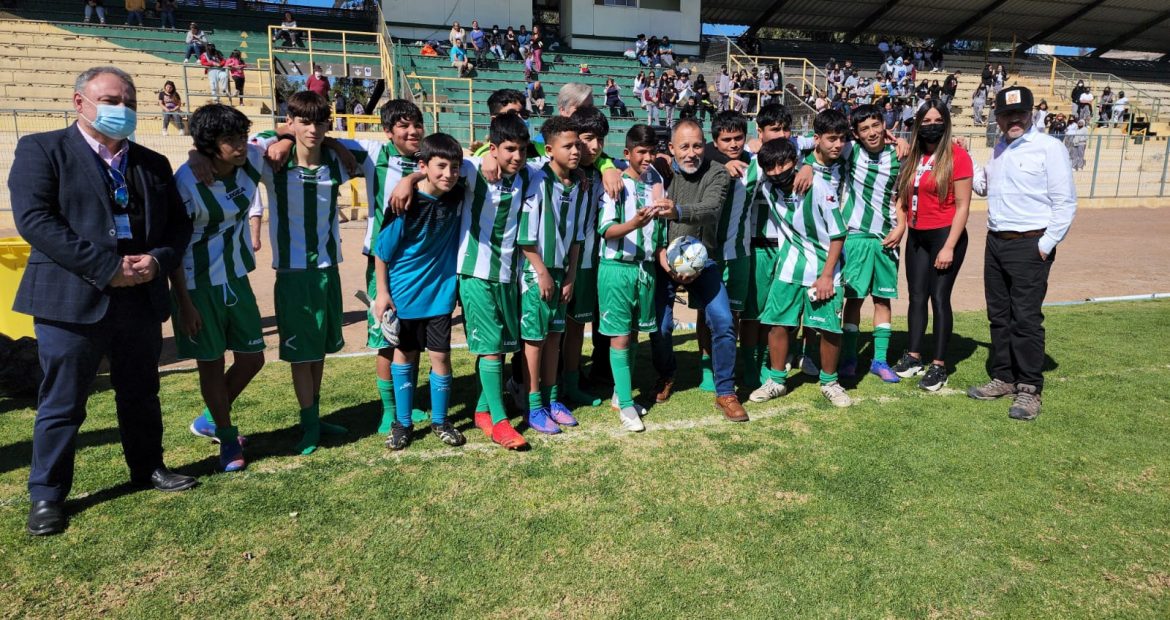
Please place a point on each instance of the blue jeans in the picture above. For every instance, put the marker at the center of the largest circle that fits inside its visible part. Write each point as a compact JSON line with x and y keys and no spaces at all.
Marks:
{"x":193,"y":49}
{"x":168,"y":19}
{"x":134,"y":18}
{"x":711,"y":296}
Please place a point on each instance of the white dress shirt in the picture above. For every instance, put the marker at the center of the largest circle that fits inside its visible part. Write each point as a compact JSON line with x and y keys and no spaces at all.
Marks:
{"x":1030,"y":186}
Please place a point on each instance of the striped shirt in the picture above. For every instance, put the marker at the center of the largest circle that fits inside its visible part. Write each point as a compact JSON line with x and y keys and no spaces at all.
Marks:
{"x":221,"y":242}
{"x":806,"y":229}
{"x":303,"y":225}
{"x":587,"y":222}
{"x":640,"y":244}
{"x":491,"y":228}
{"x":736,"y":216}
{"x":558,"y":213}
{"x":389,"y":168}
{"x":869,"y":197}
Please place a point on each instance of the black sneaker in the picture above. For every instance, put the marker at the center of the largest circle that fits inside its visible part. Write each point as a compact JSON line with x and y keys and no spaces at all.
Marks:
{"x":399,"y":436}
{"x":935,"y":378}
{"x":908,"y":366}
{"x":448,"y":434}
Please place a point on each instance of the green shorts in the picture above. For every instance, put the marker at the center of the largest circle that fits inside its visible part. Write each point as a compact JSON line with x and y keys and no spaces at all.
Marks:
{"x":231,"y":320}
{"x":374,"y":338}
{"x":789,"y":306}
{"x":583,"y":306}
{"x":759,"y":282}
{"x":869,"y":268}
{"x":626,"y":298}
{"x":539,"y":318}
{"x":736,"y":273}
{"x":308,"y":313}
{"x":490,"y":315}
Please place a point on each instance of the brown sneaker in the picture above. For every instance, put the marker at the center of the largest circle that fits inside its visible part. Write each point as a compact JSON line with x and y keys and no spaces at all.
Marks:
{"x":663,"y":388}
{"x":991,"y":390}
{"x":730,"y":408}
{"x":1027,"y":404}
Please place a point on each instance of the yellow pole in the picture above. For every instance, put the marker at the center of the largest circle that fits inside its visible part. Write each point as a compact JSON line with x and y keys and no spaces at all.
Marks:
{"x":272,"y":76}
{"x":1052,"y":79}
{"x":470,"y":112}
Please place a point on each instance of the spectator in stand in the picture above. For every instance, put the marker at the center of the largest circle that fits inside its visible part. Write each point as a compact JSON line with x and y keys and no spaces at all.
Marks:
{"x":687,"y":109}
{"x":768,"y":93}
{"x":172,"y":107}
{"x":613,"y":99}
{"x":495,"y":42}
{"x":936,"y":59}
{"x":889,"y":116}
{"x":524,"y":39}
{"x":703,"y":101}
{"x":836,"y":79}
{"x":457,"y":33}
{"x":640,"y":46}
{"x":478,"y":39}
{"x":1001,"y":78}
{"x":1078,"y":139}
{"x":217,"y":76}
{"x":1040,"y":116}
{"x":196,"y":42}
{"x":884,"y":46}
{"x":738,"y":102}
{"x":512,"y":45}
{"x":95,"y":6}
{"x":723,"y":88}
{"x":1120,"y":107}
{"x":166,"y":13}
{"x":988,"y":77}
{"x":639,"y":84}
{"x":459,"y":58}
{"x":923,"y":91}
{"x":666,"y":53}
{"x":573,"y":95}
{"x":650,"y":102}
{"x":537,"y":46}
{"x":936,"y":92}
{"x":682,"y":86}
{"x":1078,"y":92}
{"x":820,"y":104}
{"x":950,"y":87}
{"x":135,"y":9}
{"x":978,"y":102}
{"x":536,"y":98}
{"x":1105,"y":110}
{"x":1057,"y":126}
{"x":288,"y":32}
{"x":667,"y":99}
{"x":236,"y":65}
{"x":318,"y":83}
{"x":652,"y":51}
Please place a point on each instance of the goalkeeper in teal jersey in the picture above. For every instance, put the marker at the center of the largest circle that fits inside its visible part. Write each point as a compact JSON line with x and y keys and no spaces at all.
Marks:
{"x":214,"y":308}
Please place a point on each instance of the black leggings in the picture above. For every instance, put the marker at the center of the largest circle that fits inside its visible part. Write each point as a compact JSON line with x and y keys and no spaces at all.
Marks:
{"x":927,"y":283}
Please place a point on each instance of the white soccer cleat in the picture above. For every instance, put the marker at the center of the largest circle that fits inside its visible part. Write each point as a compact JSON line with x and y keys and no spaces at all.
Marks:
{"x":632,"y":419}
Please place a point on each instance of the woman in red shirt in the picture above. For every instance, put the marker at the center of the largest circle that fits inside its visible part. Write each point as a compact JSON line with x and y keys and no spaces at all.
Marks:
{"x":934,"y":193}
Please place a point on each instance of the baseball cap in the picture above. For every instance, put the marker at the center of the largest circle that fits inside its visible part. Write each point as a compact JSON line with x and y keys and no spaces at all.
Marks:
{"x":1014,"y":98}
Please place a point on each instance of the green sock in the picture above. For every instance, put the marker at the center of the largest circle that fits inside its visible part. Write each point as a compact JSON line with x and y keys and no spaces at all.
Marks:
{"x":778,"y":376}
{"x":207,"y":415}
{"x":386,"y":392}
{"x":828,"y":378}
{"x":849,"y":342}
{"x":535,"y":401}
{"x":481,"y":405}
{"x":311,"y":425}
{"x":707,"y":384}
{"x":552,"y":394}
{"x":881,"y":341}
{"x":619,"y":360}
{"x":491,"y":381}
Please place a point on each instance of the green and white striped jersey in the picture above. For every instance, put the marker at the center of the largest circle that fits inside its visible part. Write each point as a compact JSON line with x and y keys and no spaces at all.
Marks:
{"x":494,"y":223}
{"x":640,"y":244}
{"x":587,"y":221}
{"x":557,"y":230}
{"x":807,"y":228}
{"x":390,"y":165}
{"x":870,"y":192}
{"x":221,"y":242}
{"x":303,"y":227}
{"x":735,"y":219}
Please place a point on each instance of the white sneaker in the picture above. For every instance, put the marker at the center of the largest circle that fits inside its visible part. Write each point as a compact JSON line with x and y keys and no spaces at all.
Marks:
{"x":613,"y":404}
{"x":632,"y":419}
{"x":836,"y":394}
{"x":165,"y":133}
{"x":768,"y":391}
{"x":809,"y":367}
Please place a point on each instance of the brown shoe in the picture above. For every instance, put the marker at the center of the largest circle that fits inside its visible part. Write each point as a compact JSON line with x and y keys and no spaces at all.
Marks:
{"x":663,"y":388}
{"x":730,"y":408}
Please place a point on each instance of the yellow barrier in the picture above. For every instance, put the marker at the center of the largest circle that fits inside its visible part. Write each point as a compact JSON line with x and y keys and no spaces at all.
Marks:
{"x":14,"y":253}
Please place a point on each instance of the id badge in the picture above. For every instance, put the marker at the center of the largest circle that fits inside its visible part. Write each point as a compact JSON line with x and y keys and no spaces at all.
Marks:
{"x":122,"y":226}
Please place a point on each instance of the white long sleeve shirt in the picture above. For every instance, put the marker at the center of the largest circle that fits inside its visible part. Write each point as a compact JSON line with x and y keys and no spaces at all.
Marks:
{"x":1030,"y":186}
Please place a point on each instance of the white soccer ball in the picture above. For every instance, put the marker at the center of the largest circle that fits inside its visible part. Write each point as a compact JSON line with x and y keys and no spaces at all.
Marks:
{"x":687,"y":256}
{"x":390,"y":327}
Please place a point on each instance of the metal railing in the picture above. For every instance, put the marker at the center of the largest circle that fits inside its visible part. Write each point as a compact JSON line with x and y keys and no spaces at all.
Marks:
{"x":437,"y":96}
{"x":1062,"y":77}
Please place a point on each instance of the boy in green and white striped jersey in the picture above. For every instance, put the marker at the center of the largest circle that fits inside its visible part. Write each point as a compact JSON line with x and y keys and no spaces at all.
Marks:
{"x":807,"y":289}
{"x":871,"y":247}
{"x":306,"y":250}
{"x":550,"y":270}
{"x":635,"y":237}
{"x":214,"y":308}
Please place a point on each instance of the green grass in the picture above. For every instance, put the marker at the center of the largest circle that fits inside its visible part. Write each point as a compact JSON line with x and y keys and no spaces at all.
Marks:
{"x":906,"y":505}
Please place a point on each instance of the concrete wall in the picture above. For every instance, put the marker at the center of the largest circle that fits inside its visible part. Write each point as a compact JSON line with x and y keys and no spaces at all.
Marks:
{"x":589,"y":26}
{"x":431,"y":19}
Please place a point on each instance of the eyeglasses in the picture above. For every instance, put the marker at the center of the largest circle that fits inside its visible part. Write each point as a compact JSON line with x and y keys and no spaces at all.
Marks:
{"x":120,"y":190}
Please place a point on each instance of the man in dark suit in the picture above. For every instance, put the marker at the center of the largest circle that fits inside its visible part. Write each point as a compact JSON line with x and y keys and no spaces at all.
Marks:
{"x":106,"y":225}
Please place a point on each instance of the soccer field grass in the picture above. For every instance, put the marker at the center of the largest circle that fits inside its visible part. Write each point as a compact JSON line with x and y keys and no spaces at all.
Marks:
{"x":906,"y":505}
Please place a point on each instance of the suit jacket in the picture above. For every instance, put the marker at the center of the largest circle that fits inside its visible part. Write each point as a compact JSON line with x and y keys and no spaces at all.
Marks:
{"x":62,"y":207}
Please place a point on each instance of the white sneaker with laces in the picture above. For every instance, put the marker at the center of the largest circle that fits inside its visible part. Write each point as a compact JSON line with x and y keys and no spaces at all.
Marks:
{"x":632,"y":419}
{"x":768,"y":391}
{"x":836,"y":394}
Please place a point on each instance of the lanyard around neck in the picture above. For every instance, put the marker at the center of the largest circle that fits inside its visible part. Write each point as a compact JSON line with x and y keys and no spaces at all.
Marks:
{"x":922,"y":170}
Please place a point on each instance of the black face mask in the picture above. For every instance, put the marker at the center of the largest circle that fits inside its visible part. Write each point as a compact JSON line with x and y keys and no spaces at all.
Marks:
{"x":784,"y":179}
{"x":932,"y":134}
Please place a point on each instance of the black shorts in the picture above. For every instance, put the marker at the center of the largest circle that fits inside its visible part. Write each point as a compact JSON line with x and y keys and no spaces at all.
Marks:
{"x":432,"y":334}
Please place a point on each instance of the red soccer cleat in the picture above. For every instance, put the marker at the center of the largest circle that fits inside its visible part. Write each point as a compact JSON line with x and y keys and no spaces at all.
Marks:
{"x":506,"y":436}
{"x":483,"y":420}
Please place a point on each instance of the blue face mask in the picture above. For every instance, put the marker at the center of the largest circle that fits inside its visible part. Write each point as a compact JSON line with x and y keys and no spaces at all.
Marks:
{"x":113,"y":121}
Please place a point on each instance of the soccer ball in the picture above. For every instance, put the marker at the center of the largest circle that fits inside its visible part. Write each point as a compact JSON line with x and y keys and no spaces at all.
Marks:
{"x":687,"y":256}
{"x":390,"y":327}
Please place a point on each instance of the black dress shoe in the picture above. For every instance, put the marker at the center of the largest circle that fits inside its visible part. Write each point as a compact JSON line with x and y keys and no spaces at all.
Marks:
{"x":163,"y":479}
{"x":46,"y":518}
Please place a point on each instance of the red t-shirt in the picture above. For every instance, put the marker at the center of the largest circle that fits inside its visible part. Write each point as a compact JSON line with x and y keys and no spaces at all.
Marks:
{"x":931,"y":214}
{"x":320,"y":85}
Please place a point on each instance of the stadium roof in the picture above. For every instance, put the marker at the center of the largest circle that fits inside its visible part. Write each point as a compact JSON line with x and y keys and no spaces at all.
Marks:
{"x":1140,"y":25}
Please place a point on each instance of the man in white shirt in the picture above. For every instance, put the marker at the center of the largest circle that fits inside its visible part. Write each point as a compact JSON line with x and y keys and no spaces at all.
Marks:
{"x":1031,"y":201}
